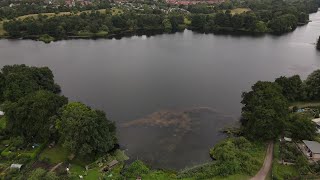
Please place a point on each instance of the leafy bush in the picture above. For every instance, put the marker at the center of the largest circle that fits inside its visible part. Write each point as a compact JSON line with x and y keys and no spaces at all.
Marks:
{"x":136,"y":169}
{"x":16,"y":142}
{"x":289,"y":152}
{"x":233,"y":156}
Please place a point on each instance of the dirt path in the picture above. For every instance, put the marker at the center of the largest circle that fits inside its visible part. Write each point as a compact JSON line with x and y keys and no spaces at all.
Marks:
{"x":55,"y":167}
{"x":262,"y":174}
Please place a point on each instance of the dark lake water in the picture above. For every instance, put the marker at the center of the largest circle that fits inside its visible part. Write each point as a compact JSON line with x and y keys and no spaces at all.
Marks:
{"x":169,"y":94}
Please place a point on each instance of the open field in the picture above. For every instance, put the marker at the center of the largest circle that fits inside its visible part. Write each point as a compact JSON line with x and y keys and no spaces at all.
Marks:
{"x":239,"y":10}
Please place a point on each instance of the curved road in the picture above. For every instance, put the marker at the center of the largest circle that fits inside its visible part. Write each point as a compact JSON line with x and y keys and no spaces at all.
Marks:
{"x":262,"y":174}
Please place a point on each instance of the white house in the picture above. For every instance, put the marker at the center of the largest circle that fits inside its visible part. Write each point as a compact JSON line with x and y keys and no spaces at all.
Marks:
{"x":1,"y":113}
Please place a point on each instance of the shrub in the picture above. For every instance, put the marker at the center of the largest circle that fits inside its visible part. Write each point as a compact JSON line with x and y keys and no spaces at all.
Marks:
{"x":137,"y":168}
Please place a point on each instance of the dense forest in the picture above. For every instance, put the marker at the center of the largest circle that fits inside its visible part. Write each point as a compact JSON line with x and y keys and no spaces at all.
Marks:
{"x":266,"y":16}
{"x":36,"y":112}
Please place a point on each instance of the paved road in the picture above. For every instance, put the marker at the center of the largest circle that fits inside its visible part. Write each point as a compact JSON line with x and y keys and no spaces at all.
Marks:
{"x":262,"y":174}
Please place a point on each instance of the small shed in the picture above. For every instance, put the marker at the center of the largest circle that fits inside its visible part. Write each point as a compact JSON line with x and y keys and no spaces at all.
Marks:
{"x":16,"y":166}
{"x":1,"y":113}
{"x":313,"y":149}
{"x":112,"y":163}
{"x":287,"y":139}
{"x":109,"y":166}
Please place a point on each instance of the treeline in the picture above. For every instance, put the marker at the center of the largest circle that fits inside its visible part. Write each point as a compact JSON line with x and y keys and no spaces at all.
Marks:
{"x":37,"y":6}
{"x":35,"y":113}
{"x":265,"y":114}
{"x":318,"y":43}
{"x":265,"y":16}
{"x":93,"y":23}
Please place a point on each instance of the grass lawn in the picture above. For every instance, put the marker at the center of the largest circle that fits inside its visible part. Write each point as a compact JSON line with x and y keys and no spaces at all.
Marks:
{"x":116,"y":11}
{"x":115,"y":172}
{"x":91,"y":174}
{"x":284,"y":171}
{"x":56,"y":154}
{"x":239,"y":10}
{"x":3,"y":122}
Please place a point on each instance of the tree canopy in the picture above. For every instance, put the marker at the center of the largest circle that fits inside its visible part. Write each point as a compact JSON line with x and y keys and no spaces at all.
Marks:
{"x":85,"y":131}
{"x":20,"y":80}
{"x":292,"y":87}
{"x":313,"y":85}
{"x":31,"y":116}
{"x":265,"y":111}
{"x":301,"y":127}
{"x":232,"y":157}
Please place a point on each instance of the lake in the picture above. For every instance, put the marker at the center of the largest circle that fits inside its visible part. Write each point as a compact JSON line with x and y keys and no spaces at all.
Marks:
{"x":170,"y":94}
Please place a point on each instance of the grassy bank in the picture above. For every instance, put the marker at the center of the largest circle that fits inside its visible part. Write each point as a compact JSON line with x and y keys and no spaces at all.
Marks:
{"x":236,"y":158}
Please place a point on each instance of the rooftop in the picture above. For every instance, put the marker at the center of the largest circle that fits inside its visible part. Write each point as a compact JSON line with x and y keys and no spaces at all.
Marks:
{"x":313,"y":146}
{"x":16,"y":166}
{"x":112,"y":163}
{"x":317,"y":120}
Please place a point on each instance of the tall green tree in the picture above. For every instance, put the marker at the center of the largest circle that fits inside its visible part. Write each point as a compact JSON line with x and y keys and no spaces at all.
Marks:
{"x":2,"y":86}
{"x":292,"y":87}
{"x":20,"y":80}
{"x":85,"y":131}
{"x":265,"y":111}
{"x":301,"y":128}
{"x":313,"y":85}
{"x":31,"y":116}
